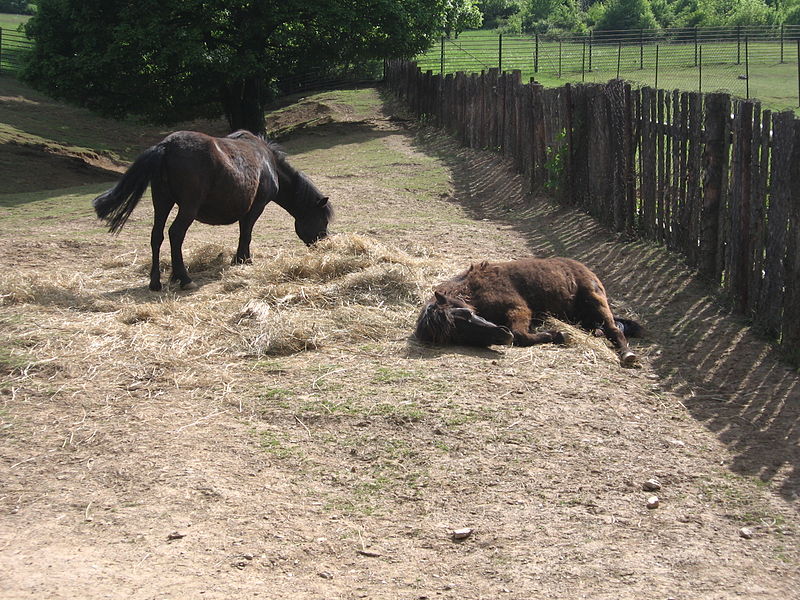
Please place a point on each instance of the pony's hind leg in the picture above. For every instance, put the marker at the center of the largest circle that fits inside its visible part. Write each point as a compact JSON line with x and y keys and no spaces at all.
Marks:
{"x":599,"y":304}
{"x":162,"y":205}
{"x":177,"y":233}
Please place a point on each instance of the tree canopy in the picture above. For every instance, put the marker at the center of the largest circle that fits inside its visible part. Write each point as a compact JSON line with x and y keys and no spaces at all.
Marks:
{"x":168,"y":60}
{"x":575,"y":15}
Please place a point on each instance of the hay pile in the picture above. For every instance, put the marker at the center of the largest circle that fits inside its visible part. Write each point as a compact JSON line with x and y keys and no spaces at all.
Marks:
{"x":346,"y":288}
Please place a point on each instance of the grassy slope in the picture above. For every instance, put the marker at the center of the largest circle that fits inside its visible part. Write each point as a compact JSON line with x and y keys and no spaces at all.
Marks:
{"x":10,"y":21}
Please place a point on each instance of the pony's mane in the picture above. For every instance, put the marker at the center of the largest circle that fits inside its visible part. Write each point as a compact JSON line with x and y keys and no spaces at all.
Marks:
{"x":307,"y":190}
{"x":274,"y":147}
{"x":434,"y":325}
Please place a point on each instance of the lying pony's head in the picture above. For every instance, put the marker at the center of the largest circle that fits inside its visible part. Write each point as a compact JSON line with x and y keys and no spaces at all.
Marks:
{"x":450,"y":321}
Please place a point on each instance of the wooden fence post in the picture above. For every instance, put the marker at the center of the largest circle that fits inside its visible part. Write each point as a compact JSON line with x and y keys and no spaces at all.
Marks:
{"x":714,"y":162}
{"x":790,"y":327}
{"x":739,"y":238}
{"x":781,"y":193}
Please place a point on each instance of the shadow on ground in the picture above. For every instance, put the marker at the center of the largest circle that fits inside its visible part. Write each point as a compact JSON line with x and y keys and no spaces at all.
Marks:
{"x":729,"y":379}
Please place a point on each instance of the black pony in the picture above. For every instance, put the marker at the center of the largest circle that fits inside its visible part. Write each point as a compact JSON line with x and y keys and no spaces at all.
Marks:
{"x":500,"y":303}
{"x":217,"y":181}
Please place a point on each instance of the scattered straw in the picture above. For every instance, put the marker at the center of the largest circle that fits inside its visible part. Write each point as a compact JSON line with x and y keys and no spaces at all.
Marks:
{"x":575,"y":337}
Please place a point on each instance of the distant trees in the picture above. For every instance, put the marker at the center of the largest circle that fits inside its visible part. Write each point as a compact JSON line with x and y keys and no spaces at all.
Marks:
{"x":16,"y":7}
{"x":577,"y":15}
{"x":460,"y":15}
{"x":627,"y":14}
{"x":170,"y":60}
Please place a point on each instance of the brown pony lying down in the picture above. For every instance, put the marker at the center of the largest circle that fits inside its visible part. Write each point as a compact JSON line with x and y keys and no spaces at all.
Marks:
{"x":500,"y":303}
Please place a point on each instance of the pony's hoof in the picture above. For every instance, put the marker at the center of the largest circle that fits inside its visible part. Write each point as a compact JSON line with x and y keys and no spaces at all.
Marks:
{"x":155,"y":287}
{"x":628,"y":359}
{"x":187,"y":287}
{"x":237,"y":260}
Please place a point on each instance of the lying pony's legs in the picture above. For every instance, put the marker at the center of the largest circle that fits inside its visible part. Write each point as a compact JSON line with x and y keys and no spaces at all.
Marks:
{"x":519,"y":321}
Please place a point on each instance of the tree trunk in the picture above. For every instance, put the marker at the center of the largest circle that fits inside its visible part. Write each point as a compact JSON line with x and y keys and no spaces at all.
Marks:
{"x":243,"y":102}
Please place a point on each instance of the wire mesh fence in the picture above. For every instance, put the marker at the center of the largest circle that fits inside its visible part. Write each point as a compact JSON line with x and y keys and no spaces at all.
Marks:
{"x":14,"y":47}
{"x":749,"y":62}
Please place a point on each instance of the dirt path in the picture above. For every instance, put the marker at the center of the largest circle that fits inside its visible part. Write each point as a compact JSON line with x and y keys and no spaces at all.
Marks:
{"x":146,"y":454}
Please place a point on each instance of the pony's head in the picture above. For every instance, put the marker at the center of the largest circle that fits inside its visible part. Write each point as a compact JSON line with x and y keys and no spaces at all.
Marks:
{"x":313,"y":212}
{"x":448,"y":320}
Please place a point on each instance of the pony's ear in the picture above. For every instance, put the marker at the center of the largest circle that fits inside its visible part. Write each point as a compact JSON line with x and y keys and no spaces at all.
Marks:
{"x":440,"y":299}
{"x":322,"y":201}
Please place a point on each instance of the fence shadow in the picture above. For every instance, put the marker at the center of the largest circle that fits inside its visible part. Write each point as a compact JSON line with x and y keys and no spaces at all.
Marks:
{"x":730,"y":379}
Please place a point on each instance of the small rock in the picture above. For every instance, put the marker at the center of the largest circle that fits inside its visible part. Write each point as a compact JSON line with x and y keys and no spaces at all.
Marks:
{"x":325,"y":574}
{"x":462,"y":534}
{"x":176,"y":535}
{"x":746,"y":533}
{"x":653,"y":502}
{"x":248,"y":556}
{"x":651,"y":485}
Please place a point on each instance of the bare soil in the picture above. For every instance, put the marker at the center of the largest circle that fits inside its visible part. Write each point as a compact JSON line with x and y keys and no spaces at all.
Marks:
{"x":148,"y":451}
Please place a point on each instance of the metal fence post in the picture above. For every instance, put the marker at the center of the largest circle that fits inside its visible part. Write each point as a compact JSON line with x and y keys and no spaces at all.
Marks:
{"x":695,"y":46}
{"x":641,"y":49}
{"x":583,"y":62}
{"x":500,"y":53}
{"x":746,"y":68}
{"x":781,"y":43}
{"x":441,"y":69}
{"x":619,"y":57}
{"x":700,"y":70}
{"x":559,"y":57}
{"x":536,"y":55}
{"x":591,"y":36}
{"x":656,"y":84}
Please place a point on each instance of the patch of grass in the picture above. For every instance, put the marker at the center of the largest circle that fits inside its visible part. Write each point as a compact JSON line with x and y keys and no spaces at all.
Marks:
{"x":392,"y":375}
{"x":12,"y":21}
{"x":25,"y":212}
{"x":276,"y":446}
{"x":270,"y":366}
{"x":277,"y":397}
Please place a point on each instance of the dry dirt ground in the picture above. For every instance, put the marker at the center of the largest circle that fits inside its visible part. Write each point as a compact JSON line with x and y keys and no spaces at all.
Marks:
{"x":176,"y":445}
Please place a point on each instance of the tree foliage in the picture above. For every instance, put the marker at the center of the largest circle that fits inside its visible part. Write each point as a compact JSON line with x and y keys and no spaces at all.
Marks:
{"x":460,"y":15}
{"x":17,"y":7}
{"x":627,"y":14}
{"x":168,"y":60}
{"x":576,"y":15}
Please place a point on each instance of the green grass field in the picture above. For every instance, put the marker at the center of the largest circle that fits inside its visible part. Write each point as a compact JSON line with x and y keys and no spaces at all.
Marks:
{"x":709,"y":67}
{"x":8,"y":21}
{"x":13,"y":46}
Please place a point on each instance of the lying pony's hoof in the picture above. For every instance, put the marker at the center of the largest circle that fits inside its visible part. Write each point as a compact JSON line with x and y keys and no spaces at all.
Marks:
{"x":628,"y":359}
{"x":188,"y":287}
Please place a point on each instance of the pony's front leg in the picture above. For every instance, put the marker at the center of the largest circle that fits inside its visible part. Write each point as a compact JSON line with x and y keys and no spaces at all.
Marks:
{"x":177,"y":233}
{"x":246,"y":233}
{"x":519,"y":320}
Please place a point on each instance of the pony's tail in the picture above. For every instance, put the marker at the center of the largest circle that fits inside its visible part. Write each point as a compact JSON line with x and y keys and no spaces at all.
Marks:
{"x":117,"y":204}
{"x":629,"y":327}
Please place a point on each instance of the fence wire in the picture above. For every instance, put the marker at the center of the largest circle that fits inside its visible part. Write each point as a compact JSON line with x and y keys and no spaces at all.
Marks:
{"x":749,"y":62}
{"x":14,"y":47}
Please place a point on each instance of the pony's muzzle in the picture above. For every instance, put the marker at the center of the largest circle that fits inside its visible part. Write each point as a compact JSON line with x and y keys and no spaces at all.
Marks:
{"x":507,"y":335}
